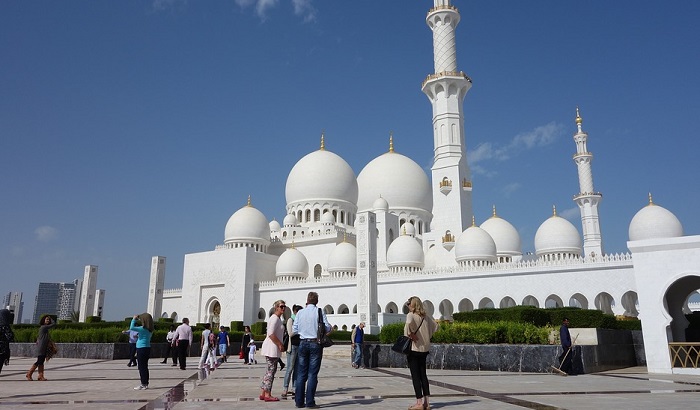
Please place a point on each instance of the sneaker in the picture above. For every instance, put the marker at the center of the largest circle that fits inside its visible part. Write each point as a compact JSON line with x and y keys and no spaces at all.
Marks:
{"x":141,"y":387}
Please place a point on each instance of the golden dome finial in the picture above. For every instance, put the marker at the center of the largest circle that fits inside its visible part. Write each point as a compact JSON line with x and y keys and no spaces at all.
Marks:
{"x":323,"y":142}
{"x":473,"y":220}
{"x":345,"y":236}
{"x":579,"y":120}
{"x":391,"y":141}
{"x":554,"y":210}
{"x":403,"y":228}
{"x":293,"y":244}
{"x":248,"y":204}
{"x":494,"y":211}
{"x":651,"y":202}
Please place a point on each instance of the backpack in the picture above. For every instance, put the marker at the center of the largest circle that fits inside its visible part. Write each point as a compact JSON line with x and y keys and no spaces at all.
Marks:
{"x":212,"y":339}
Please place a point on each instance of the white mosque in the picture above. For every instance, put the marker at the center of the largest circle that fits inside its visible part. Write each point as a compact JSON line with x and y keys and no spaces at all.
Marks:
{"x":366,"y":243}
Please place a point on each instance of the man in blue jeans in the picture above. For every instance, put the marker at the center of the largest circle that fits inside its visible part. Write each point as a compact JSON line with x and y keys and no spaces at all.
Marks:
{"x":309,"y":353}
{"x":358,"y":338}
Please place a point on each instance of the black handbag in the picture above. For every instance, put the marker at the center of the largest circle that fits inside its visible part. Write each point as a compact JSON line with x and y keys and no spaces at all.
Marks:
{"x":323,"y":338}
{"x":403,"y":343}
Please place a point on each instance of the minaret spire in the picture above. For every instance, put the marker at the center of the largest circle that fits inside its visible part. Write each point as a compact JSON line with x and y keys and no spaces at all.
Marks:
{"x":587,"y":199}
{"x":391,"y":141}
{"x":323,"y":142}
{"x":450,"y":159}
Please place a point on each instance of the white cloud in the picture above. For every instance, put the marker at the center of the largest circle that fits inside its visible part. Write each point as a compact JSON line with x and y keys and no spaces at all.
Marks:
{"x":572,"y":214}
{"x":302,"y":8}
{"x":538,"y":137}
{"x":46,"y":233}
{"x":510,"y":188}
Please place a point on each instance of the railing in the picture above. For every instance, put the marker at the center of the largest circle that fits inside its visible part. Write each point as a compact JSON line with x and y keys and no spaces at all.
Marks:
{"x":685,"y":355}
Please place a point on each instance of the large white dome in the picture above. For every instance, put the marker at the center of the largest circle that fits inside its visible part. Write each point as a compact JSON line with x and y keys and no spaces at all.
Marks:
{"x":321,"y":175}
{"x":405,"y":251}
{"x":292,"y":263}
{"x":247,"y":225}
{"x":475,"y":244}
{"x":654,"y":221}
{"x":557,"y":235}
{"x":397,"y":179}
{"x":505,"y":236}
{"x":343,"y":258}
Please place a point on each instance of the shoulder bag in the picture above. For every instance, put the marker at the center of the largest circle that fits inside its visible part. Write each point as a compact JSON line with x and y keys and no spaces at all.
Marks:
{"x":403,"y":343}
{"x":323,"y":338}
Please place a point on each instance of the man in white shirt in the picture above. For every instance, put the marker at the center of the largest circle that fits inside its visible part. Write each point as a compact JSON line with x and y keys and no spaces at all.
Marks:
{"x":183,"y":340}
{"x":310,"y":352}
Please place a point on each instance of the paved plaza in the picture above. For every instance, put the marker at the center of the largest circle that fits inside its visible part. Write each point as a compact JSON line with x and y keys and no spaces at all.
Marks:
{"x":108,"y":384}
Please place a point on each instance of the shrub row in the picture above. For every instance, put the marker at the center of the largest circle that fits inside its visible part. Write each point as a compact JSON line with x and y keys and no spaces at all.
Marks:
{"x":548,"y":317}
{"x":485,"y":332}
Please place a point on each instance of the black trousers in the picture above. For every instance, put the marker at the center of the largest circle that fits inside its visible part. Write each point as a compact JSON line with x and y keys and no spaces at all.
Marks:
{"x":183,"y":348}
{"x":132,"y":354}
{"x":416,"y":364}
{"x":142,"y":356}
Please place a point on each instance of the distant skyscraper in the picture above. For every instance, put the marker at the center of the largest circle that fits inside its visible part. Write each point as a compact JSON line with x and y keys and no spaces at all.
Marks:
{"x":155,"y":288}
{"x":99,"y":302}
{"x":46,"y":301}
{"x":87,"y":295}
{"x":69,"y":299}
{"x":13,"y":302}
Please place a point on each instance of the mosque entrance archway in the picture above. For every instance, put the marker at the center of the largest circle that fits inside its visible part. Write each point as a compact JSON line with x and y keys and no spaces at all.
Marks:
{"x":343,"y":310}
{"x":429,"y":308}
{"x":391,"y":308}
{"x":486,"y":303}
{"x":446,"y":310}
{"x":553,"y":301}
{"x":579,"y":301}
{"x":507,"y":302}
{"x":605,"y":303}
{"x":261,"y":314}
{"x":530,"y":300}
{"x":465,"y":305}
{"x":676,"y":302}
{"x":213,"y":313}
{"x":630,"y":304}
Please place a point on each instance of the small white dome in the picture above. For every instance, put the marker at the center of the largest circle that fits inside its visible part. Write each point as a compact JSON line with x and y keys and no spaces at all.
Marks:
{"x":557,"y":235}
{"x":505,"y":236}
{"x":408,"y":229}
{"x":321,"y":175}
{"x":290,"y":220}
{"x":405,"y":251}
{"x":327,"y":218}
{"x":399,"y":180}
{"x":292,"y":263}
{"x":380,"y":204}
{"x":475,"y":244}
{"x":654,"y":221}
{"x":275,"y":226}
{"x":343,"y":258}
{"x":247,"y":225}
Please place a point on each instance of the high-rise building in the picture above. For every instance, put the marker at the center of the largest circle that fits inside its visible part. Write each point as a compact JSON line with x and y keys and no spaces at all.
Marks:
{"x":46,"y":301}
{"x":69,"y":299}
{"x":99,"y":302}
{"x":13,"y":303}
{"x":87,"y":294}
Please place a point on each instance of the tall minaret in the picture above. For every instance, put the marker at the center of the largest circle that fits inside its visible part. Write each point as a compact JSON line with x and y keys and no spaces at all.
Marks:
{"x":155,"y":286}
{"x":446,"y":89}
{"x":587,"y":200}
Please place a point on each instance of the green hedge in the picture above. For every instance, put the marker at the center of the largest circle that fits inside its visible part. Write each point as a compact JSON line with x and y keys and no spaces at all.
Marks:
{"x":492,"y":332}
{"x":548,"y":317}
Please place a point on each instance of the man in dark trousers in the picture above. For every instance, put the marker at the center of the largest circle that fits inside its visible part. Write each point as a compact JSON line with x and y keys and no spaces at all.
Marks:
{"x":183,"y":340}
{"x":565,"y":337}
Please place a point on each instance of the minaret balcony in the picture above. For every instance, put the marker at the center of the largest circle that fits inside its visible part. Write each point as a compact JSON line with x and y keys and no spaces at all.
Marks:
{"x":445,"y":186}
{"x":587,"y":195}
{"x":466,"y":185}
{"x":448,"y":241}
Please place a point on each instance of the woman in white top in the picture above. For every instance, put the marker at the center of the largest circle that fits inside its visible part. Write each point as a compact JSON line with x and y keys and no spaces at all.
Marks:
{"x":272,"y":347}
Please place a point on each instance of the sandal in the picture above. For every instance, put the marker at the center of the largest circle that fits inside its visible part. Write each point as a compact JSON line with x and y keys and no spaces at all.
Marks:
{"x":270,"y":398}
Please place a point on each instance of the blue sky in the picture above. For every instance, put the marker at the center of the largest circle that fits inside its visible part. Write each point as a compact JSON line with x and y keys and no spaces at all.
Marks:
{"x":136,"y":128}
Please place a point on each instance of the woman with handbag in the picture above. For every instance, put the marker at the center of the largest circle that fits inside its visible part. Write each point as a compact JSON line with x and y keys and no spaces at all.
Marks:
{"x":271,"y":349}
{"x":419,"y":328}
{"x":42,"y":347}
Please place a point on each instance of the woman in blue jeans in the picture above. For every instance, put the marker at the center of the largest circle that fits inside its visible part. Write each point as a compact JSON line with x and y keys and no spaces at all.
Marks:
{"x":143,"y":346}
{"x":291,"y":351}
